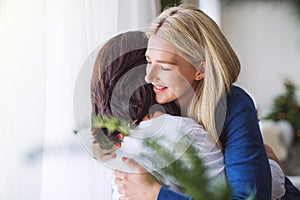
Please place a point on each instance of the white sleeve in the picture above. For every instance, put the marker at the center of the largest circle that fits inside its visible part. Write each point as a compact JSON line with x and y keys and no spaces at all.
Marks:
{"x":278,"y":180}
{"x":211,"y":155}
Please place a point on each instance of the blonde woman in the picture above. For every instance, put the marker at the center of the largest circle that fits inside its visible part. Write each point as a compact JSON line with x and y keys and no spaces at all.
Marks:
{"x":118,"y":89}
{"x":185,"y":45}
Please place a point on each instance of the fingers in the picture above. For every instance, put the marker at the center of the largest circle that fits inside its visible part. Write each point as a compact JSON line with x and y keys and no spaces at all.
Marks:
{"x":133,"y":165}
{"x":120,"y":136}
{"x":121,"y":183}
{"x":271,"y":154}
{"x":106,"y":139}
{"x":102,"y":154}
{"x":114,"y":137}
{"x":121,"y":191}
{"x":133,"y":185}
{"x":120,"y":175}
{"x":106,"y":157}
{"x":118,"y":181}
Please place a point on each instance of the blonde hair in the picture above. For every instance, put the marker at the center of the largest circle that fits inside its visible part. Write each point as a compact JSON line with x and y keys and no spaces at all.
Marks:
{"x":198,"y":38}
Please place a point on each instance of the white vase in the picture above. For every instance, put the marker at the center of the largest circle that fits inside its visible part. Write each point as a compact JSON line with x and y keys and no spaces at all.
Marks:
{"x":287,"y":132}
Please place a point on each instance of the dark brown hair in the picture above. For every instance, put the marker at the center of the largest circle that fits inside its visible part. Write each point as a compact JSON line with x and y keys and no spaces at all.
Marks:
{"x":118,"y":88}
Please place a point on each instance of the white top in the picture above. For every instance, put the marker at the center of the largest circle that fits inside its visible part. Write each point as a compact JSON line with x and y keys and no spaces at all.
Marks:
{"x":175,"y":134}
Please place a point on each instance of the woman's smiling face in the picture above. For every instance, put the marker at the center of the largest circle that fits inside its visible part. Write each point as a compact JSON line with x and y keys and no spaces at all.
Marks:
{"x":171,"y":75}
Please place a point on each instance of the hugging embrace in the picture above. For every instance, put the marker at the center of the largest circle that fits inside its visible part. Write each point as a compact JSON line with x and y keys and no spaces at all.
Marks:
{"x":176,"y":81}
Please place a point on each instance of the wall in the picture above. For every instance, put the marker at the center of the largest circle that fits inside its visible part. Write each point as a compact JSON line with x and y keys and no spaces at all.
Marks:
{"x":266,"y":37}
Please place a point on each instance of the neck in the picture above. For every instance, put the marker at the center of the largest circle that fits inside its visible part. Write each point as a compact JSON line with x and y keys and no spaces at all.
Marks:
{"x":184,"y":101}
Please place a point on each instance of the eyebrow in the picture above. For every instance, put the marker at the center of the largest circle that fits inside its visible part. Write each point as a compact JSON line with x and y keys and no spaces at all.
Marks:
{"x":163,"y":61}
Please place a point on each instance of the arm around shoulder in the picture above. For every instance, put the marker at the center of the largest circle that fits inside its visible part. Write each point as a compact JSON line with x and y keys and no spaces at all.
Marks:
{"x":246,"y":162}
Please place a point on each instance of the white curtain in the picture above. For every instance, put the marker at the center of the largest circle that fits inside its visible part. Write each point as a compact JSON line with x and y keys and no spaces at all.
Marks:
{"x":43,"y":45}
{"x":212,"y":8}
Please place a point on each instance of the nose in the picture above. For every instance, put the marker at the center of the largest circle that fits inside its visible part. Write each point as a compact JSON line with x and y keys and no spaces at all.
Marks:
{"x":151,"y":73}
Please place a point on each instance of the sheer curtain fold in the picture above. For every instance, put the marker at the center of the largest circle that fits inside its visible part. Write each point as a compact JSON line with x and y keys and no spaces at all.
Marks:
{"x":22,"y":101}
{"x":43,"y":46}
{"x":74,"y":30}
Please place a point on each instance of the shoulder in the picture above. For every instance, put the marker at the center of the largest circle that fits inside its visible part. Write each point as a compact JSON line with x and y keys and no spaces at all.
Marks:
{"x":241,"y":118}
{"x":238,"y":99}
{"x":236,"y":94}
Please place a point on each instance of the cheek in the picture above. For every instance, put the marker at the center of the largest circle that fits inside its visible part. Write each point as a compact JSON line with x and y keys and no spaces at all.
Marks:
{"x":180,"y":85}
{"x":176,"y":80}
{"x":166,"y":77}
{"x":179,"y":89}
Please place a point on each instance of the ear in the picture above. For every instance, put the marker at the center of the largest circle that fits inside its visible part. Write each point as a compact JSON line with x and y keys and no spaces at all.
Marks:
{"x":200,"y":71}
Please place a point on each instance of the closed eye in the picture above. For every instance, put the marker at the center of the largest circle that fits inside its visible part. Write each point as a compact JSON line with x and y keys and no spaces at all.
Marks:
{"x":165,"y":68}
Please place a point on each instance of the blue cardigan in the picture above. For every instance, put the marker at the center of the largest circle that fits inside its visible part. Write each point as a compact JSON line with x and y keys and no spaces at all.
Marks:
{"x":246,"y":162}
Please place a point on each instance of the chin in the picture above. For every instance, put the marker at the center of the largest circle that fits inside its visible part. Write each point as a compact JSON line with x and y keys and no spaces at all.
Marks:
{"x":163,"y":100}
{"x":159,"y":101}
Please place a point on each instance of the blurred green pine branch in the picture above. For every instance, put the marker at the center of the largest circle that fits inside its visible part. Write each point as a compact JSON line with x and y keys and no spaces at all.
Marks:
{"x":286,"y":107}
{"x":189,"y":172}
